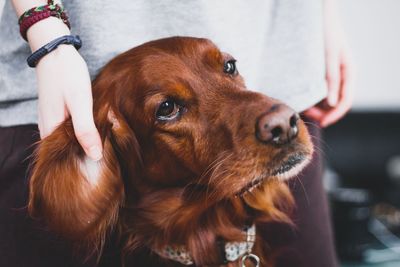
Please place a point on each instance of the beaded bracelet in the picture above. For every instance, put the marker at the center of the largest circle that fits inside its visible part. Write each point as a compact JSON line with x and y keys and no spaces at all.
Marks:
{"x":34,"y":58}
{"x":36,"y":14}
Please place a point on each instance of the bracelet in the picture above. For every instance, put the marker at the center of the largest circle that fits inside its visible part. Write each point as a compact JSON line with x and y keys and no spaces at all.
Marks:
{"x":34,"y":58}
{"x":36,"y":14}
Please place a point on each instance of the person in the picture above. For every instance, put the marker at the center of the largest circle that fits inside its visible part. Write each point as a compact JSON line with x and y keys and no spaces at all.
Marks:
{"x":292,"y":50}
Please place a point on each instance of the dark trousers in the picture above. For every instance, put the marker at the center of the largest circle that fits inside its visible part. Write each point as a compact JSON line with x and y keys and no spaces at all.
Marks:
{"x":23,"y":241}
{"x":310,"y":243}
{"x":26,"y":243}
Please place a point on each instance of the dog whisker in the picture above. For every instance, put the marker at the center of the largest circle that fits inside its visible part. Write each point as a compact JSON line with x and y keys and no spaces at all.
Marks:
{"x":304,"y":189}
{"x":314,"y":124}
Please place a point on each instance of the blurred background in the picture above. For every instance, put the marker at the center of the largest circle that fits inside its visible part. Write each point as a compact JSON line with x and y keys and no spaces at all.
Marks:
{"x":362,"y":151}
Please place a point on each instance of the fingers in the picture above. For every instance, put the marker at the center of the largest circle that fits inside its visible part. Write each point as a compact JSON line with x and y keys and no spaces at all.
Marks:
{"x":345,"y":94}
{"x":315,"y":113}
{"x":89,"y":139}
{"x":81,"y":110}
{"x":51,"y":114}
{"x":335,"y":114}
{"x":333,"y":77}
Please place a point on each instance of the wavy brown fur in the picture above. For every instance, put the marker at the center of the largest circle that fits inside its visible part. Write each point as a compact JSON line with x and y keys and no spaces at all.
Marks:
{"x":166,"y":218}
{"x":166,"y":182}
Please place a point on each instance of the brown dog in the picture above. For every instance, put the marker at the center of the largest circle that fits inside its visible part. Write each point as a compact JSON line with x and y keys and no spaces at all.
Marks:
{"x":191,"y":159}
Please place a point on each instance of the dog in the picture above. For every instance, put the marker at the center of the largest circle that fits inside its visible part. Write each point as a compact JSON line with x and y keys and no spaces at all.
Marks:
{"x":193,"y":161}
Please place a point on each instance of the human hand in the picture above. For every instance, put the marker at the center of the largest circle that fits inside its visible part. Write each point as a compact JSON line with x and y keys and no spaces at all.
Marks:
{"x":339,"y":73}
{"x":64,"y":86}
{"x":64,"y":90}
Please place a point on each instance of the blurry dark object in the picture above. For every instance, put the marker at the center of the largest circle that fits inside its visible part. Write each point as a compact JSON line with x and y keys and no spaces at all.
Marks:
{"x":363,"y":150}
{"x":351,"y":209}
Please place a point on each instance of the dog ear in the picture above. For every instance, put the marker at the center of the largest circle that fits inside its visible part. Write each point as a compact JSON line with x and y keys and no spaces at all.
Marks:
{"x":79,"y":198}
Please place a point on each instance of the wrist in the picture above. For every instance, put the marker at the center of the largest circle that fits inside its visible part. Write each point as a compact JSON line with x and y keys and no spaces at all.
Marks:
{"x":58,"y":58}
{"x":45,"y":31}
{"x":62,"y":51}
{"x":62,"y":48}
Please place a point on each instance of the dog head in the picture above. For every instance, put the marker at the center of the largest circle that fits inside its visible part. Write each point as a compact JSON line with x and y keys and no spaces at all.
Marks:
{"x":187,"y":150}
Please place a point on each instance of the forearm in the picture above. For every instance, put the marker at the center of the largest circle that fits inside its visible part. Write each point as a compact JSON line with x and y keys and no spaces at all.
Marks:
{"x":331,"y":15}
{"x":331,"y":6}
{"x":43,"y":31}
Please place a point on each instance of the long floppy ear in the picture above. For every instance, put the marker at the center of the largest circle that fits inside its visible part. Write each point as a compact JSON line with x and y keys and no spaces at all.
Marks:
{"x":77,"y":197}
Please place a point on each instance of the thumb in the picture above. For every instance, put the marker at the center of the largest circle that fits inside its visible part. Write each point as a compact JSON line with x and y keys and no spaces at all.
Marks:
{"x":87,"y":134}
{"x":90,"y":141}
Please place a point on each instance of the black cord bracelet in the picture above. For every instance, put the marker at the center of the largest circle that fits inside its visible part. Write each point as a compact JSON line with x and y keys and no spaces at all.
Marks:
{"x":34,"y":58}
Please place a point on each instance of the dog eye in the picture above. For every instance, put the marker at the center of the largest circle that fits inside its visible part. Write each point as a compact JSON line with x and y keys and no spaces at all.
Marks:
{"x":230,"y":67}
{"x":168,"y":110}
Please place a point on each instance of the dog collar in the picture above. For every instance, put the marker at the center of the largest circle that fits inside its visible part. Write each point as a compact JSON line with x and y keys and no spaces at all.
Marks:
{"x":233,"y":250}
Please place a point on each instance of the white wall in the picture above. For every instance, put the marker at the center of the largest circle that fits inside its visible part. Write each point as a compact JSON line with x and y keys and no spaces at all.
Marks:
{"x":373,"y":32}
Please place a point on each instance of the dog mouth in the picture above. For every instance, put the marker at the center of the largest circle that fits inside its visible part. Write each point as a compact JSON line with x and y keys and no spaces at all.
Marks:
{"x":291,"y":167}
{"x":286,"y":170}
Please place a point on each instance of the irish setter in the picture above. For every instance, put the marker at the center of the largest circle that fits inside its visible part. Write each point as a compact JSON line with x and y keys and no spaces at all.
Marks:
{"x":192,"y":161}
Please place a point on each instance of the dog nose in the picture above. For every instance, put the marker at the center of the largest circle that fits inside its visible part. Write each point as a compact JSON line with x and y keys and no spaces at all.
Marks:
{"x":278,"y":126}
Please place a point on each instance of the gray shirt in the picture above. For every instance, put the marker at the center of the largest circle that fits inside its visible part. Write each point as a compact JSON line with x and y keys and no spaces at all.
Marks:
{"x":278,"y":43}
